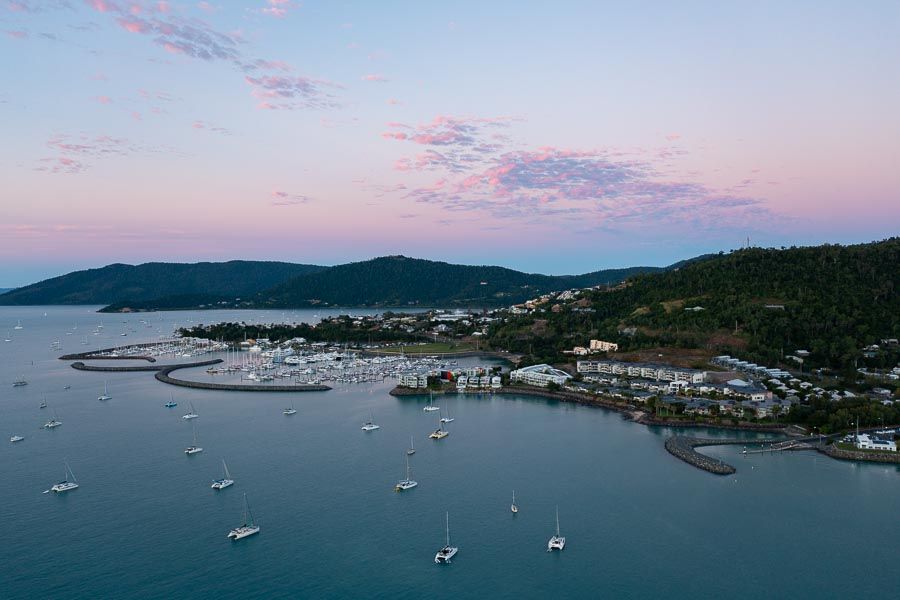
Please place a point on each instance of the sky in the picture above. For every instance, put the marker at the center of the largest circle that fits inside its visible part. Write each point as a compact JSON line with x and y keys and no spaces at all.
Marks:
{"x":553,"y":137}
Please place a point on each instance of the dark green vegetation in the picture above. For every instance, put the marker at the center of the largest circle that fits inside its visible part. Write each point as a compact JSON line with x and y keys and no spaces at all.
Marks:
{"x":759,"y":304}
{"x":402,"y":281}
{"x":336,"y":329}
{"x":128,"y":283}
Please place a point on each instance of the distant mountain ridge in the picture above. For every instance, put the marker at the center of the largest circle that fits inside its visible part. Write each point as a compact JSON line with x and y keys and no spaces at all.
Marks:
{"x":119,"y":282}
{"x":390,"y":281}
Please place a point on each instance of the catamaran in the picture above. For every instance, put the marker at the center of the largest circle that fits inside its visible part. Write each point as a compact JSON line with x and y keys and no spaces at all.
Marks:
{"x":221,"y":484}
{"x":43,"y":403}
{"x":52,"y":423}
{"x":291,"y":410}
{"x":191,"y":414}
{"x":412,"y":447}
{"x":444,"y":555}
{"x":105,"y":395}
{"x":557,"y":542}
{"x":171,"y":403}
{"x":193,"y":449}
{"x":431,"y":406}
{"x":18,"y":325}
{"x":406,"y":484}
{"x":16,"y":438}
{"x":20,"y":381}
{"x":370,"y":424}
{"x":248,"y":527}
{"x":439,"y":433}
{"x":65,"y":485}
{"x":514,"y":508}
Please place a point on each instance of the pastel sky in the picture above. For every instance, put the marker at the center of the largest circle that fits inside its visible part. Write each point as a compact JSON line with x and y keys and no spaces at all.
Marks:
{"x":555,"y":137}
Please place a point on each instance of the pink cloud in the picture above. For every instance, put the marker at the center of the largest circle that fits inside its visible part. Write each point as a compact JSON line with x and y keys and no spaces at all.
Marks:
{"x":284,"y":92}
{"x":280,"y":198}
{"x":17,"y":35}
{"x":278,"y":8}
{"x":103,"y":99}
{"x":394,"y":102}
{"x":375,"y":77}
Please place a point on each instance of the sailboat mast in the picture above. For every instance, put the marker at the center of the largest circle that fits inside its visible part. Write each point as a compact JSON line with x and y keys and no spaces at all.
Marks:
{"x":448,"y":528}
{"x":557,"y":520}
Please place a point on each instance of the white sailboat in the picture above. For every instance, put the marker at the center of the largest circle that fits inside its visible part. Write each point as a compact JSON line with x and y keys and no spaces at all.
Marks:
{"x":65,"y":485}
{"x":52,"y":423}
{"x":514,"y":508}
{"x":291,"y":410}
{"x":431,"y":406}
{"x":446,"y":553}
{"x":557,"y":542}
{"x":16,"y":438}
{"x":191,"y":414}
{"x":408,"y":483}
{"x":370,"y":424}
{"x":20,"y":381}
{"x":18,"y":325}
{"x":221,"y":484}
{"x":105,"y":395}
{"x":194,"y":448}
{"x":8,"y":337}
{"x":412,"y":447}
{"x":171,"y":403}
{"x":448,"y":418}
{"x":248,"y":527}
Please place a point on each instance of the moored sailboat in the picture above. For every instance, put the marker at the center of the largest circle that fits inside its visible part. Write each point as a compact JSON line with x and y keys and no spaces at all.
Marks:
{"x":446,"y":553}
{"x":221,"y":484}
{"x":248,"y":527}
{"x":66,"y":485}
{"x":557,"y":542}
{"x":408,"y":483}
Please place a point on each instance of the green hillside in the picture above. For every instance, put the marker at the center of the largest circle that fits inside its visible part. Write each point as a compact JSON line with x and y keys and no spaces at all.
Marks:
{"x":402,"y":281}
{"x":761,"y":303}
{"x":120,"y":282}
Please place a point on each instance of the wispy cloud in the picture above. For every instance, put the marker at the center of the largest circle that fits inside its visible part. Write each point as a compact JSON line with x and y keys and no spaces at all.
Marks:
{"x":281,"y":198}
{"x":76,"y":153}
{"x":206,"y":126}
{"x":375,"y":77}
{"x":280,"y":92}
{"x":278,"y":8}
{"x":481,"y":172}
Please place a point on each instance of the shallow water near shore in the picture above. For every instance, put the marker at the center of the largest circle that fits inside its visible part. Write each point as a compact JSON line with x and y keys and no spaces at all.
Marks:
{"x":638,"y":522}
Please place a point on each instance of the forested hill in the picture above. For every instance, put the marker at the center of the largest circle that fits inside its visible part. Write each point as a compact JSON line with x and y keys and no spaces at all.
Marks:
{"x":402,"y":281}
{"x":831,"y":300}
{"x":118,"y":282}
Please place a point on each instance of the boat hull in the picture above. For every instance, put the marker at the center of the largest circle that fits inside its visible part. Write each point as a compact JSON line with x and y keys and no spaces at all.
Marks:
{"x":556,"y":543}
{"x":445,"y":555}
{"x":242,"y":532}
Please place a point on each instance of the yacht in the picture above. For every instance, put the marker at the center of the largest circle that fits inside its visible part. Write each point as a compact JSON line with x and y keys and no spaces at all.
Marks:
{"x":557,"y":542}
{"x":221,"y":484}
{"x":105,"y":395}
{"x":18,"y":325}
{"x":431,"y":406}
{"x":514,"y":508}
{"x":406,"y":484}
{"x":370,"y":424}
{"x":248,"y":527}
{"x":439,"y":433}
{"x":446,"y":553}
{"x":43,"y":404}
{"x":16,"y":438}
{"x":7,"y":338}
{"x":52,"y":423}
{"x":65,"y":485}
{"x":291,"y":410}
{"x":20,"y":381}
{"x":448,"y":418}
{"x":171,"y":404}
{"x":412,"y":447}
{"x":194,"y":448}
{"x":191,"y":414}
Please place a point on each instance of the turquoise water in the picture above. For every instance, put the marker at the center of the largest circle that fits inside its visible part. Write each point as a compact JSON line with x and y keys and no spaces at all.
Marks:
{"x":640,"y":524}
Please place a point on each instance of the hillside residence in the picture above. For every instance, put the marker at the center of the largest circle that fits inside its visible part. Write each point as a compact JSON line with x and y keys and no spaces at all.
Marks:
{"x":539,"y":375}
{"x":603,"y":346}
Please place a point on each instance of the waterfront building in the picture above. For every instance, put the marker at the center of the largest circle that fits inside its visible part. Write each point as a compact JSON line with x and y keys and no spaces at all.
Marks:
{"x":602,"y":346}
{"x":539,"y":375}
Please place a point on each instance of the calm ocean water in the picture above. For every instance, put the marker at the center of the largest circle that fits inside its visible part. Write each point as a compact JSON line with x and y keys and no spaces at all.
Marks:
{"x":640,"y":524}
